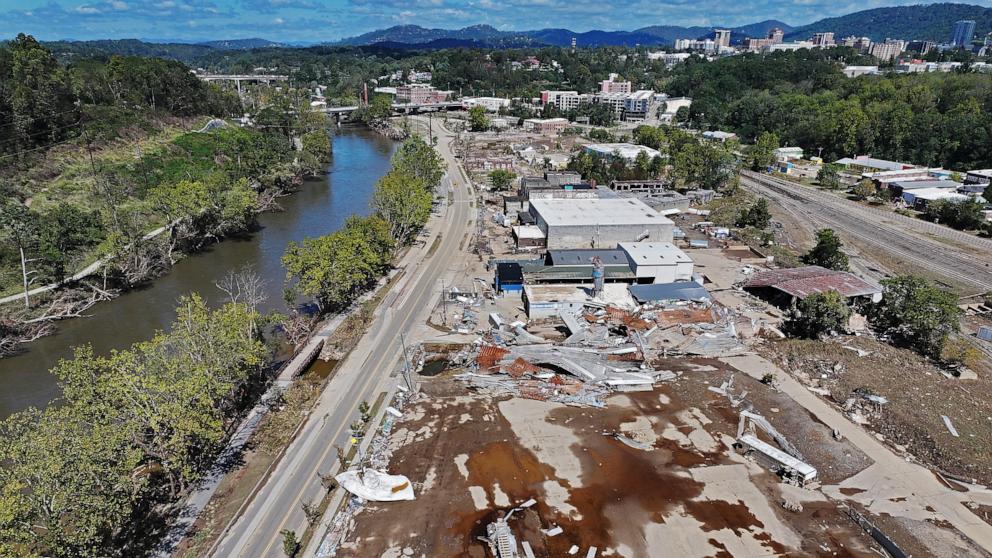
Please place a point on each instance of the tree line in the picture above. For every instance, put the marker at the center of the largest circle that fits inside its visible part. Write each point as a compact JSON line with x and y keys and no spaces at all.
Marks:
{"x":684,"y":161}
{"x":43,"y":103}
{"x":131,"y":432}
{"x":939,"y":119}
{"x":335,"y":269}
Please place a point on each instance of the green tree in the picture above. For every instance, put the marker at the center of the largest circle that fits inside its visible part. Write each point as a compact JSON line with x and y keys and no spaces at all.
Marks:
{"x":827,"y":252}
{"x":64,"y":230}
{"x":418,"y":159}
{"x":334,"y":269}
{"x":757,"y":215}
{"x":316,"y":150}
{"x":828,"y":177}
{"x":865,"y":189}
{"x":290,"y":544}
{"x":477,"y":118}
{"x":404,"y":202}
{"x":762,"y":153}
{"x":501,"y":179}
{"x":965,"y":215}
{"x":818,"y":314}
{"x":916,"y":313}
{"x":20,"y":225}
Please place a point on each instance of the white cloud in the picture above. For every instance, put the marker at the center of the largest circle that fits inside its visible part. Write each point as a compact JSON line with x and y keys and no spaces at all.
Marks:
{"x":278,"y":21}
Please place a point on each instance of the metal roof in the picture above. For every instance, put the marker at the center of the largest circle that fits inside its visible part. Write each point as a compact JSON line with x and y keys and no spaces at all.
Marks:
{"x":801,"y":282}
{"x":685,"y":290}
{"x":654,"y":253}
{"x":584,"y":257}
{"x":921,"y":184}
{"x":604,"y":212}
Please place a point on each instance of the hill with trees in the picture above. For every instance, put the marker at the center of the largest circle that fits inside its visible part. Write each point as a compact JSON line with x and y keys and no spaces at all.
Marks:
{"x":925,"y":22}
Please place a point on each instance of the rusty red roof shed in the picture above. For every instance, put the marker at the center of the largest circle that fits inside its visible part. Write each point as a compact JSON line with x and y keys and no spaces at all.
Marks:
{"x":801,"y":282}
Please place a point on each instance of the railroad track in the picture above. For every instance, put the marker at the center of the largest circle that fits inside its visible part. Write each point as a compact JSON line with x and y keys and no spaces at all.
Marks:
{"x":909,"y":224}
{"x":878,"y":230}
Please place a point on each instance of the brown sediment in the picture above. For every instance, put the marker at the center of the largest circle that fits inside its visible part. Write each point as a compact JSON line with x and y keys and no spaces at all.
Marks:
{"x":850,"y":491}
{"x":718,"y":514}
{"x":721,"y":549}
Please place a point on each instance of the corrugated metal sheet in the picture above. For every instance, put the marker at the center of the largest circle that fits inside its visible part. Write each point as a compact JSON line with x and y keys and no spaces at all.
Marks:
{"x":686,"y":290}
{"x":804,"y":281}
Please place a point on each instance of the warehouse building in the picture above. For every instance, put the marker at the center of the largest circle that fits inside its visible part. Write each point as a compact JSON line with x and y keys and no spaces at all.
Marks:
{"x":598,"y":223}
{"x":657,"y":262}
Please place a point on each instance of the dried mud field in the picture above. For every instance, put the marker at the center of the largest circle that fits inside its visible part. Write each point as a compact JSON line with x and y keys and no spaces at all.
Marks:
{"x":689,"y":494}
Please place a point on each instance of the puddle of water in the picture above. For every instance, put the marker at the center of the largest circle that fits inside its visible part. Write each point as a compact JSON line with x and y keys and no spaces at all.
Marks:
{"x":434,"y":367}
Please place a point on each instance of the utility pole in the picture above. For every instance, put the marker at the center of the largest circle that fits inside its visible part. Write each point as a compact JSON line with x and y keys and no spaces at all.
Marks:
{"x":406,"y":367}
{"x":444,"y":304}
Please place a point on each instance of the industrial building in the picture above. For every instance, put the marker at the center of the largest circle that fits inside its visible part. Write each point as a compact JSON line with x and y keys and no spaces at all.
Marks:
{"x":659,"y":262}
{"x":598,"y":223}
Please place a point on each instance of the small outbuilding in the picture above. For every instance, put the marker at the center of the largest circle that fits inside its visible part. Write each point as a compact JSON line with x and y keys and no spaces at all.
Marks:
{"x":785,"y":286}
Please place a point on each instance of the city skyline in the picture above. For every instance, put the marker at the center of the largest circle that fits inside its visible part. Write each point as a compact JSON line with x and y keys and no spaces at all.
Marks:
{"x":331,"y":20}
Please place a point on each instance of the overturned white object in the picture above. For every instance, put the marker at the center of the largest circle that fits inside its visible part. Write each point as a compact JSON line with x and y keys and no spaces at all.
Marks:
{"x":376,"y":486}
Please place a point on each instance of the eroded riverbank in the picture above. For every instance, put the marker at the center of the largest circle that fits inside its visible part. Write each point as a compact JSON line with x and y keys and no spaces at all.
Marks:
{"x":321,"y":206}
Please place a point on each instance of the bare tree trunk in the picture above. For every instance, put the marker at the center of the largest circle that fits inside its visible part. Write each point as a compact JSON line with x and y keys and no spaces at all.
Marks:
{"x":24,"y":275}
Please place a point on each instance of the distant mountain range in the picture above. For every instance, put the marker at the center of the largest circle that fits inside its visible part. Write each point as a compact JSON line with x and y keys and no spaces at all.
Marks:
{"x":241,"y":44}
{"x":488,"y":35}
{"x":928,"y":21}
{"x":932,"y":22}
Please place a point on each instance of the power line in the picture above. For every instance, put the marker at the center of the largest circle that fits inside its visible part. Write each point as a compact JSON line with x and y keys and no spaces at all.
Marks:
{"x":28,"y":118}
{"x":12,"y":140}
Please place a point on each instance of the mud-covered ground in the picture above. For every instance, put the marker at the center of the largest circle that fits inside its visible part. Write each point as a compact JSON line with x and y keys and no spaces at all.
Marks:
{"x":471,"y":457}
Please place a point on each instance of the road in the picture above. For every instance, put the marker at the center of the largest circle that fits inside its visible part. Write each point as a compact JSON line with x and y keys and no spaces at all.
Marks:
{"x":958,"y":257}
{"x":278,"y":504}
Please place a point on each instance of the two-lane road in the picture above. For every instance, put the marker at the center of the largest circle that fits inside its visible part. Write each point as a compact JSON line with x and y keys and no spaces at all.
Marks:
{"x":278,"y":504}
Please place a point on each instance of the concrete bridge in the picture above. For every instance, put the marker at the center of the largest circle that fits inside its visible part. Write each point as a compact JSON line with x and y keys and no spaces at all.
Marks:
{"x":238,"y":78}
{"x":398,"y":108}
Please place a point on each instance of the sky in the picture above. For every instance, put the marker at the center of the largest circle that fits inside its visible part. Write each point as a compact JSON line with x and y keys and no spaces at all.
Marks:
{"x":329,"y":20}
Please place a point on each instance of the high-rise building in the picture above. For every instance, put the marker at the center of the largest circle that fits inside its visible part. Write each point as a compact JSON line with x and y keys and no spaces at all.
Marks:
{"x":823,"y":39}
{"x":721,"y":37}
{"x":888,"y":50}
{"x":923,"y":47}
{"x":964,"y":32}
{"x":775,"y":36}
{"x":612,"y":86}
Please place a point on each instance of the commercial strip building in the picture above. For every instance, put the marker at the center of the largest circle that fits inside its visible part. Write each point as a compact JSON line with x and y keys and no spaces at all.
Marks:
{"x":420,"y":94}
{"x":546,"y":126}
{"x":598,"y":223}
{"x":491,"y":104}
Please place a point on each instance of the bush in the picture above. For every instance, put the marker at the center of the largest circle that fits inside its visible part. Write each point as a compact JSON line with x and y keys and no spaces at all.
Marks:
{"x":818,"y":314}
{"x":916,"y":313}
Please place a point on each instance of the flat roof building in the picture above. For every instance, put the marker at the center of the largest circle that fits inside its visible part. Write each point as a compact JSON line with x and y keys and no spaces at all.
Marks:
{"x":626,"y":151}
{"x":546,"y":126}
{"x":599,"y":223}
{"x":661,"y":262}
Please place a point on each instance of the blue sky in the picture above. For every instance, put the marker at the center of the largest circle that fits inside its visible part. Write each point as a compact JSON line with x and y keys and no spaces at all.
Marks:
{"x":327,"y":20}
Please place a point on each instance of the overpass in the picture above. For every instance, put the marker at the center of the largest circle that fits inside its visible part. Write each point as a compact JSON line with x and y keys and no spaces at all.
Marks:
{"x":238,"y":78}
{"x":406,"y":108}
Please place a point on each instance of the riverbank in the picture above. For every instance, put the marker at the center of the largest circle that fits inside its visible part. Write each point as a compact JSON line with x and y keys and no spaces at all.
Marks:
{"x":319,"y":206}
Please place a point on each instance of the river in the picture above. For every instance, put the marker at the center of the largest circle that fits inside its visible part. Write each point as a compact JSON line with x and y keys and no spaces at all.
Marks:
{"x":321,"y":206}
